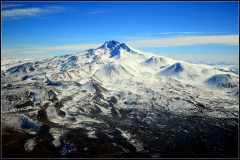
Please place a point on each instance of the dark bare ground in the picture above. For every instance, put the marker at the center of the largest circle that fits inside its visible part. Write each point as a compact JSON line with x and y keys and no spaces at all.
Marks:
{"x":181,"y":137}
{"x":13,"y":141}
{"x":100,"y":147}
{"x":13,"y":145}
{"x":42,"y":117}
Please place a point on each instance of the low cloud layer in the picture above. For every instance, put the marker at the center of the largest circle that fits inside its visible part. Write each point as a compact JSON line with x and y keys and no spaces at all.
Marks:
{"x":205,"y":57}
{"x":32,"y":50}
{"x":38,"y":49}
{"x":185,"y":41}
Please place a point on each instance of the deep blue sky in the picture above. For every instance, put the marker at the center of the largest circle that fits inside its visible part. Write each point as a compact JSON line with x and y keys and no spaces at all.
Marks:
{"x":174,"y":29}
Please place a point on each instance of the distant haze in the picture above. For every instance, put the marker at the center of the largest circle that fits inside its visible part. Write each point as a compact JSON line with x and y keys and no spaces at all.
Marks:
{"x":210,"y":58}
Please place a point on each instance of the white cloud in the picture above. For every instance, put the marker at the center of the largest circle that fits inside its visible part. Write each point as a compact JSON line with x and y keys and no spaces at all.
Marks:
{"x":68,"y":47}
{"x":21,"y":12}
{"x":163,"y":42}
{"x":10,"y":5}
{"x":30,"y":12}
{"x":31,"y":52}
{"x":181,"y":33}
{"x":173,"y":33}
{"x":185,"y":41}
{"x":96,"y":12}
{"x":6,"y":51}
{"x":28,"y":49}
{"x":206,"y":57}
{"x":154,"y":35}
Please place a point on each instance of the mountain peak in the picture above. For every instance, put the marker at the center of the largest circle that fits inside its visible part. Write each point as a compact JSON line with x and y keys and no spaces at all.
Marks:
{"x":110,"y":44}
{"x":177,"y":67}
{"x":114,"y":47}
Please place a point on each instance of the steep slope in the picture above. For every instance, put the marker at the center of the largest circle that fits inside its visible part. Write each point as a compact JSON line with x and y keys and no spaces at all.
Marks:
{"x":114,"y":48}
{"x":114,"y":71}
{"x":180,"y":71}
{"x":222,"y":81}
{"x":157,"y":62}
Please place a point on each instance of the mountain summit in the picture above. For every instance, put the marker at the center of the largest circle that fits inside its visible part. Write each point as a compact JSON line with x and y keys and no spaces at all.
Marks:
{"x":110,"y":45}
{"x":111,"y":49}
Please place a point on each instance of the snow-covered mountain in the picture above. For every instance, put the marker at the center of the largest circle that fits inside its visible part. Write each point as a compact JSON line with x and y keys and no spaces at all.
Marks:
{"x":223,"y":80}
{"x":111,"y":80}
{"x":156,"y":62}
{"x":113,"y":60}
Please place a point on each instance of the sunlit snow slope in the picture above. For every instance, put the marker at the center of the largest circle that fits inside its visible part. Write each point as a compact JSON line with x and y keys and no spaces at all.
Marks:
{"x":114,"y":74}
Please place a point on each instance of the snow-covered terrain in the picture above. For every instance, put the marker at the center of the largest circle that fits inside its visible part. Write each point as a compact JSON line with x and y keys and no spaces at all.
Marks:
{"x":78,"y":90}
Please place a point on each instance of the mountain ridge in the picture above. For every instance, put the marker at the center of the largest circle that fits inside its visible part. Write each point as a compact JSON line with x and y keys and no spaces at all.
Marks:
{"x":93,"y":60}
{"x":115,"y":95}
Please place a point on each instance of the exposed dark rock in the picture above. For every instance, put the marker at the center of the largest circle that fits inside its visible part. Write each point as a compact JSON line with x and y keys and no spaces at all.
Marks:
{"x":28,"y":103}
{"x":113,"y":100}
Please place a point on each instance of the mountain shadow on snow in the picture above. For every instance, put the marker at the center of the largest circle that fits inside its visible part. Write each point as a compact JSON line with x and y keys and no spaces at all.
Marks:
{"x":173,"y":70}
{"x":222,"y":81}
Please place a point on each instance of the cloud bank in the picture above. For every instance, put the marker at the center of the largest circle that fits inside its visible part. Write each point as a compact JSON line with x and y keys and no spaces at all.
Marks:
{"x":185,"y":41}
{"x":29,"y":12}
{"x":208,"y":57}
{"x":39,"y":49}
{"x":32,"y":50}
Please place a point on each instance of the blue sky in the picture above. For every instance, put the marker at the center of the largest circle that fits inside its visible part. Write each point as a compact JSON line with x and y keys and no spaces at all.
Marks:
{"x":179,"y":30}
